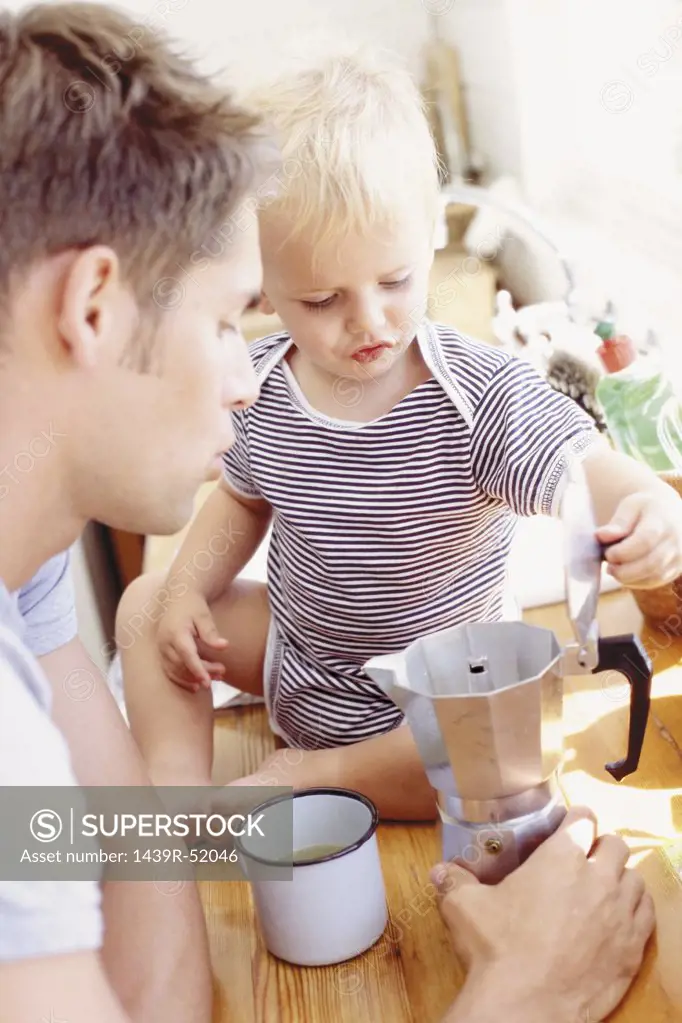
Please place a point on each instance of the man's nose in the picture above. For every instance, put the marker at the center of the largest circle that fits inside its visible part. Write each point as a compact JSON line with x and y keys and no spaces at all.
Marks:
{"x":241,"y":387}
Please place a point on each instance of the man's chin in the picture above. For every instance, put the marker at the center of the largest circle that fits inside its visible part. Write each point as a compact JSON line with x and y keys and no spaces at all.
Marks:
{"x":169,"y":519}
{"x":161,"y":512}
{"x":174,"y":523}
{"x":214,"y":470}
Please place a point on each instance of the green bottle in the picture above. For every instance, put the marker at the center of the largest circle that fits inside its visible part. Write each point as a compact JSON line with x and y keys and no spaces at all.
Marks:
{"x":670,"y":427}
{"x":641,"y":409}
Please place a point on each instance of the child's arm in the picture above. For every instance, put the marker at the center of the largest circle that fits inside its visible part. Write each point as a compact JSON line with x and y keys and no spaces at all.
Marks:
{"x":519,"y":436}
{"x":224,"y":536}
{"x":173,"y":727}
{"x":640,"y":517}
{"x":612,"y":477}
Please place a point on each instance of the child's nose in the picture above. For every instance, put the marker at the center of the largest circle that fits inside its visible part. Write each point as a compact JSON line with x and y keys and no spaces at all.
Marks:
{"x":368,"y":317}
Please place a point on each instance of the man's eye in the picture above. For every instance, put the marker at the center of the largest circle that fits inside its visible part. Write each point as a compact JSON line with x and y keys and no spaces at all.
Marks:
{"x":319,"y":305}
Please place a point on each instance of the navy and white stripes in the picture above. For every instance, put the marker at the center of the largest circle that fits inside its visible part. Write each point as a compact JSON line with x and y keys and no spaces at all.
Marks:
{"x":388,"y":530}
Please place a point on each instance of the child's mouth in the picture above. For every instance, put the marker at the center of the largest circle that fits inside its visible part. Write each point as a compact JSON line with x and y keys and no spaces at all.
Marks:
{"x":370,"y":353}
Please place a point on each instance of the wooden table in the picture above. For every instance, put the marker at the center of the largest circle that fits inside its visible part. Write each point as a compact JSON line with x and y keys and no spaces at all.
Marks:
{"x":411,"y":974}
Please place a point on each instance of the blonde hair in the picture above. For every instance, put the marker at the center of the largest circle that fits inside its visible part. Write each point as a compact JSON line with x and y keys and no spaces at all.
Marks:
{"x":355,"y":141}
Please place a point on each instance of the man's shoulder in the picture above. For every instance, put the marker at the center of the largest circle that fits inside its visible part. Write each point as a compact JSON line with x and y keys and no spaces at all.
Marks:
{"x":32,"y":750}
{"x":52,"y":917}
{"x":47,"y":605}
{"x":23,"y":684}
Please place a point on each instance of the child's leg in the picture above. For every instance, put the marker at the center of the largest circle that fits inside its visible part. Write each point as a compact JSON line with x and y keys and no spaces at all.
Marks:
{"x":172,"y":727}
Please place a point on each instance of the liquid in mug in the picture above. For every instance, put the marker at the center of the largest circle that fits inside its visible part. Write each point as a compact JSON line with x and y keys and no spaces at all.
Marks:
{"x":315,"y":852}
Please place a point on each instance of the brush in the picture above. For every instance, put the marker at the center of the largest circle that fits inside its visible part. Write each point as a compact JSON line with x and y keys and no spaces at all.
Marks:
{"x":569,"y":373}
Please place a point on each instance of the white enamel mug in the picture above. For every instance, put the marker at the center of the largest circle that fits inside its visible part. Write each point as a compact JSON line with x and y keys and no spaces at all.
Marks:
{"x":334,"y":905}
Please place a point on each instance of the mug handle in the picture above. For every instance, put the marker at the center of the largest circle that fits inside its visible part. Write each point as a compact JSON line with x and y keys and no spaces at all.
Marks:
{"x":626,"y":655}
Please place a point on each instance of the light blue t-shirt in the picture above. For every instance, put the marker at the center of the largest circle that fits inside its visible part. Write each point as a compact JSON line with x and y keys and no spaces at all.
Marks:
{"x":39,"y":918}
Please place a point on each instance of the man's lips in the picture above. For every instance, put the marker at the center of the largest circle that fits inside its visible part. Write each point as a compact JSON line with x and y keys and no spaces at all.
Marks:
{"x":215,"y":466}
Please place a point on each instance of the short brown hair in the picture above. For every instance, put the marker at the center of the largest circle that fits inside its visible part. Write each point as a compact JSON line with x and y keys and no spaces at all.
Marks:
{"x":109,"y":137}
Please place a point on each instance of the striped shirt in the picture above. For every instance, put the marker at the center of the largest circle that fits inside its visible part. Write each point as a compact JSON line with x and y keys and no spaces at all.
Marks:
{"x":388,"y":530}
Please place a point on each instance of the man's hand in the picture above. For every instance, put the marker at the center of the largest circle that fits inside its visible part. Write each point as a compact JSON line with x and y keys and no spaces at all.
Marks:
{"x":562,"y":937}
{"x":645,"y":539}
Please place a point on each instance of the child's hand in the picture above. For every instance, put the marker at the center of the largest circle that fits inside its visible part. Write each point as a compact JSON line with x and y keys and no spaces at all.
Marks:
{"x":185,"y":624}
{"x":645,"y":538}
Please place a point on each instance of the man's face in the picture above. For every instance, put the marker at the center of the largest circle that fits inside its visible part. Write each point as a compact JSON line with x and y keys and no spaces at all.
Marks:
{"x":143,"y":442}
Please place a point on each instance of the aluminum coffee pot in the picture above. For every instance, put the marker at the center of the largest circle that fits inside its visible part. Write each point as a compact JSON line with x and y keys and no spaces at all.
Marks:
{"x":484,"y":702}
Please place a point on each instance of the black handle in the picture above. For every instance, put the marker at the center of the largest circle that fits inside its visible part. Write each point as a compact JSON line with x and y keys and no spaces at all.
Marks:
{"x":626,"y":655}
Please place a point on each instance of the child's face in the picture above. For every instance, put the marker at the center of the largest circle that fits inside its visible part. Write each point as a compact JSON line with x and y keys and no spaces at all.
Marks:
{"x":353,"y":305}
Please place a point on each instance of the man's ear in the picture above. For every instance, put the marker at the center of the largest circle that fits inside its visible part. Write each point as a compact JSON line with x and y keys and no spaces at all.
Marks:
{"x":265,"y":305}
{"x":90,"y":303}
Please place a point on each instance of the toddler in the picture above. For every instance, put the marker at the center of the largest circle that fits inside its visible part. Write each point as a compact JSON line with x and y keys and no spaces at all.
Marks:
{"x":389,"y":455}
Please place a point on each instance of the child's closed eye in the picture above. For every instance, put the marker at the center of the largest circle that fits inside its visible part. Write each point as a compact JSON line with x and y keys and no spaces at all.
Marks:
{"x":316,"y":306}
{"x":326,"y":302}
{"x":402,"y":283}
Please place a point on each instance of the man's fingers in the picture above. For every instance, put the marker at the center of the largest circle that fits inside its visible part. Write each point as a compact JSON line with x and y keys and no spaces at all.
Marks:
{"x":645,"y":918}
{"x":633,"y":889}
{"x":448,"y":877}
{"x":610,"y":854}
{"x":578,"y":829}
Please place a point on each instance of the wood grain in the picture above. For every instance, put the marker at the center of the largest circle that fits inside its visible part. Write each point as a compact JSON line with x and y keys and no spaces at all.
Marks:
{"x":411,"y":974}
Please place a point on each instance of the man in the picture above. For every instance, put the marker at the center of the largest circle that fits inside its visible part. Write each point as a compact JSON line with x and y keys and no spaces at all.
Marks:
{"x":128,"y":256}
{"x":115,"y":173}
